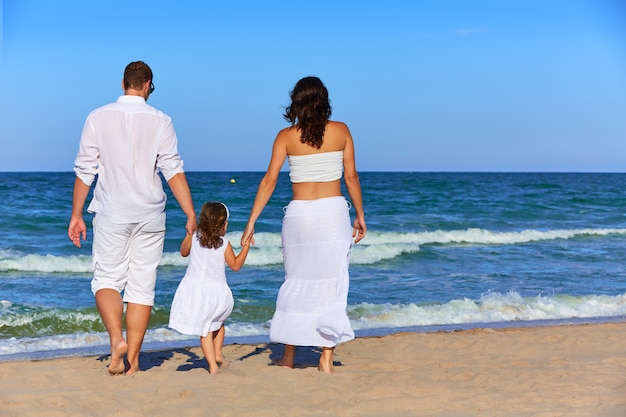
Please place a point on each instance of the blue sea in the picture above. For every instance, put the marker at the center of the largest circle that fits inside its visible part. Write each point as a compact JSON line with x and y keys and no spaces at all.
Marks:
{"x":444,"y":251}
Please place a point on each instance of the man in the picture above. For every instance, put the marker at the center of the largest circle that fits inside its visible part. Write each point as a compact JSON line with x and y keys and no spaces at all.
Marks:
{"x":125,"y":144}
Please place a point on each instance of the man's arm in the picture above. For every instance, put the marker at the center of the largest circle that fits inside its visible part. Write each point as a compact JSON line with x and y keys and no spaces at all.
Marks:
{"x":180,"y":188}
{"x":77,"y":227}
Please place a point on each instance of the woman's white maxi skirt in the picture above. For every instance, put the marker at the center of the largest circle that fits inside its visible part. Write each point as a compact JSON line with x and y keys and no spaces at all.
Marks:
{"x":311,"y":303}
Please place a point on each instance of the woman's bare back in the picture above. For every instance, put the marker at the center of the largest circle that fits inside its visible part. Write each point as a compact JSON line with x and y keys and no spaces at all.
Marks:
{"x":336,"y":136}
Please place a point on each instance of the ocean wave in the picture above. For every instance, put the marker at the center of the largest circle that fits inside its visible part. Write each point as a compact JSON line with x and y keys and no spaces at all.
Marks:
{"x":492,"y":307}
{"x":482,"y":236}
{"x":376,"y":247}
{"x":10,"y":261}
{"x":23,"y":320}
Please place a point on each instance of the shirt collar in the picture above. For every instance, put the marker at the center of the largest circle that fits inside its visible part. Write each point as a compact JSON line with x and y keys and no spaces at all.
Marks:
{"x":131,"y":99}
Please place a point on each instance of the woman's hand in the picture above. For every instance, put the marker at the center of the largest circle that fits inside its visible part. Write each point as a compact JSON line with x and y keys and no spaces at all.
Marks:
{"x":248,"y":235}
{"x":359,"y":230}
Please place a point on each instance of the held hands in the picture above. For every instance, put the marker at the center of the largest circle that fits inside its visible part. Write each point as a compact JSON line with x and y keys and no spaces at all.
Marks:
{"x":191,"y":225}
{"x":248,"y":236}
{"x":76,"y":230}
{"x":246,"y":242}
{"x":359,"y":230}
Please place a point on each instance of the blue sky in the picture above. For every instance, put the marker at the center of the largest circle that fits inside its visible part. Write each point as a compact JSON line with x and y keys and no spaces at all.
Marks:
{"x":450,"y":85}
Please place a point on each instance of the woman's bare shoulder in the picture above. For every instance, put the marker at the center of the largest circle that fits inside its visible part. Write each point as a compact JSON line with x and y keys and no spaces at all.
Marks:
{"x":288,"y":132}
{"x":335,"y":125}
{"x":285,"y":136}
{"x":337,"y":135}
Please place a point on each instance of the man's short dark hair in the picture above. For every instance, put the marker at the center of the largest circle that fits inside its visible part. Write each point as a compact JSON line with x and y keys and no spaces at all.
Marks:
{"x":136,"y":74}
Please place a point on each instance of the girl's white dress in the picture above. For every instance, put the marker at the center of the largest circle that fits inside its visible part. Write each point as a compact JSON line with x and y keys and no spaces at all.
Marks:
{"x":203,"y":300}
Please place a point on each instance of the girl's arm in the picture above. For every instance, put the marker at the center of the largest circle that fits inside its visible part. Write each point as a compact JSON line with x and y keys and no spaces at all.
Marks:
{"x":185,"y":246}
{"x":235,"y":262}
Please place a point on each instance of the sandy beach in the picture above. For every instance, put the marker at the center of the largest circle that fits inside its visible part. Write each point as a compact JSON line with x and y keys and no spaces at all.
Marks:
{"x":572,"y":370}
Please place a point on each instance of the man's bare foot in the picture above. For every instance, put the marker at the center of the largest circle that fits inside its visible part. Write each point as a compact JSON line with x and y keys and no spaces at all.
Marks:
{"x":132,"y":370}
{"x":118,"y":353}
{"x":214,"y":371}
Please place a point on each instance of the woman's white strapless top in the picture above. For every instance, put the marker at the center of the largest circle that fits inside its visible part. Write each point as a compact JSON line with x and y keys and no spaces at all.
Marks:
{"x":316,"y":167}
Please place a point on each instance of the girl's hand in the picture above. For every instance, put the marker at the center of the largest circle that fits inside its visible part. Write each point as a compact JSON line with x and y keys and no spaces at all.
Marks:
{"x":191,"y":225}
{"x":247,"y":241}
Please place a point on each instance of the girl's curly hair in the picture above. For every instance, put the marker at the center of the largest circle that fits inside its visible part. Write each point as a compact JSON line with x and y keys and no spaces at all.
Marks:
{"x":212,"y":219}
{"x":310,"y":109}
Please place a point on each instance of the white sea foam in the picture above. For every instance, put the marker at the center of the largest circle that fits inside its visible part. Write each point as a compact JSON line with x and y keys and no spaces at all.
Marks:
{"x":46,"y":263}
{"x":77,"y":318}
{"x":490,"y":308}
{"x":376,"y":247}
{"x":481,"y":236}
{"x":60,"y":343}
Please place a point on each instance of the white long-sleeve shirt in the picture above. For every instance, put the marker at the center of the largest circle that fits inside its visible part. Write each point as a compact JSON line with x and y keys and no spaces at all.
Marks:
{"x":125,"y":144}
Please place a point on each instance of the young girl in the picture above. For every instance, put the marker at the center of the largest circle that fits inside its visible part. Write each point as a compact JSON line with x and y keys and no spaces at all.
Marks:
{"x":203,"y":300}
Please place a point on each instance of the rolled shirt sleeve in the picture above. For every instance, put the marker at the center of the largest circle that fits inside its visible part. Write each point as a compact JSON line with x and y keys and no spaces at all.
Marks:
{"x":168,"y":158}
{"x":86,"y":162}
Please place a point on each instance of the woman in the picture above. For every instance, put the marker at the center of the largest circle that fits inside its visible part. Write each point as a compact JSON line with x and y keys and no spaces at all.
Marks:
{"x":316,"y":232}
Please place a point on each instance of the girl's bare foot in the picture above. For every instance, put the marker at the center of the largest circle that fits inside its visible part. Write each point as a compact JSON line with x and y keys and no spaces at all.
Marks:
{"x":118,"y":353}
{"x":221,"y":361}
{"x":213,"y":371}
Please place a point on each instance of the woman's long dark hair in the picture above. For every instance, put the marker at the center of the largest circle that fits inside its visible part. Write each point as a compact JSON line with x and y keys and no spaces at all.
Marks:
{"x":212,"y":219}
{"x":310,"y":110}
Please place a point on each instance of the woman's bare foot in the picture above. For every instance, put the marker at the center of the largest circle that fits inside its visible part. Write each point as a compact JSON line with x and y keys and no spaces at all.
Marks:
{"x":118,"y":353}
{"x":283,"y":362}
{"x":326,"y":361}
{"x":288,"y":357}
{"x":324,"y":367}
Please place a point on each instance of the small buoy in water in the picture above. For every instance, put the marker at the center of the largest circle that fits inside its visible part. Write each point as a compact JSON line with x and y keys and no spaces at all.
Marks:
{"x":232,"y":181}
